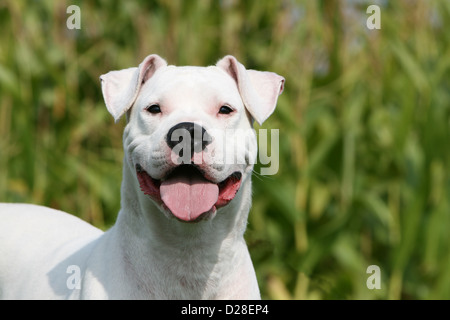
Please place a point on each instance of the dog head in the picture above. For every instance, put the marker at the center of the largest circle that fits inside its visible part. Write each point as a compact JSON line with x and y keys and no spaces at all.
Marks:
{"x":189,"y":137}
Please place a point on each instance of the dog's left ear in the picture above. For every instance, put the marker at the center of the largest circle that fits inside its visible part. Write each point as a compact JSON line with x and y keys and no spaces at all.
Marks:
{"x":259,"y":90}
{"x":121,"y":88}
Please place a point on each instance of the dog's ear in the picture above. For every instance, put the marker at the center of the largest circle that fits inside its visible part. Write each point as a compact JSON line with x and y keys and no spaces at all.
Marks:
{"x":259,"y":90}
{"x":121,"y":88}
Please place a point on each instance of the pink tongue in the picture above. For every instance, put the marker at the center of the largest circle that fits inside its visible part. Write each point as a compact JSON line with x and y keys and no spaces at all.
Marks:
{"x":187,"y":197}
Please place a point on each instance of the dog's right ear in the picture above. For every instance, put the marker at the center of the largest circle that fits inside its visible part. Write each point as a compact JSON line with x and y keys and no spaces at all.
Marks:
{"x":121,"y":88}
{"x":259,"y":90}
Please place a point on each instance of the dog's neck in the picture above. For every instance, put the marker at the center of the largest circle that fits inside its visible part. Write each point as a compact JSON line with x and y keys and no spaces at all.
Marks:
{"x":183,"y":260}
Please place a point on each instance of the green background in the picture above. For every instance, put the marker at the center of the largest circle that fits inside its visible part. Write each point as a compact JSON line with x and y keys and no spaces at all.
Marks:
{"x":364,"y":128}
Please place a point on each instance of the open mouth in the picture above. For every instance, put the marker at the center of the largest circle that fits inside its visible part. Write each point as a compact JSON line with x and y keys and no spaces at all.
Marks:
{"x":187,"y":194}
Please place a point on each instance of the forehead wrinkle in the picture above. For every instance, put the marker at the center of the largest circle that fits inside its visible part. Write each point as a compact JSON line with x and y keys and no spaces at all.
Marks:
{"x":192,"y":87}
{"x":196,"y":89}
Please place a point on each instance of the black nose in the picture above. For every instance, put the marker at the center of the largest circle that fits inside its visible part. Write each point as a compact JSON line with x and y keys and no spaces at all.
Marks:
{"x":192,"y":137}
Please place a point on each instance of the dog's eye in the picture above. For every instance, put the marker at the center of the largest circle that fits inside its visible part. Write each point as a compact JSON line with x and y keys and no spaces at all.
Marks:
{"x":154,"y":108}
{"x":225,"y":110}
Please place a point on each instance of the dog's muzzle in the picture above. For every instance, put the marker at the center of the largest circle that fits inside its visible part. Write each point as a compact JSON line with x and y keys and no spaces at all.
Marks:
{"x":184,"y":190}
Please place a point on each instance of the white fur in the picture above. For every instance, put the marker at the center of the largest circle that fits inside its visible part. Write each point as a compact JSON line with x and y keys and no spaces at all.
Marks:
{"x":148,"y":254}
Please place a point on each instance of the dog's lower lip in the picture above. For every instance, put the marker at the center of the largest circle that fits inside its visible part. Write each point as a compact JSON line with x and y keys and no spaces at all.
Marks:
{"x":149,"y":186}
{"x":228,"y":188}
{"x":235,"y":175}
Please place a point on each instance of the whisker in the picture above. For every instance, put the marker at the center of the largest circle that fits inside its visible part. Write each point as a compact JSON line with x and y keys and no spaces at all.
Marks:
{"x":260,"y":176}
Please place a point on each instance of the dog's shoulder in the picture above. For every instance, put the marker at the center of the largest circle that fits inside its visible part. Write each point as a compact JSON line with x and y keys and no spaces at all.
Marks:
{"x":29,"y":218}
{"x":27,"y":229}
{"x":33,"y":242}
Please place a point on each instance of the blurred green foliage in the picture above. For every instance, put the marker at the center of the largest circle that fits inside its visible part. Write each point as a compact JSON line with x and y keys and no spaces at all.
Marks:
{"x":364,"y":128}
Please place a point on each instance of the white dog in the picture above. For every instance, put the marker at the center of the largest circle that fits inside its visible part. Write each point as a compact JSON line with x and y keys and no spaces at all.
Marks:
{"x":179,"y":233}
